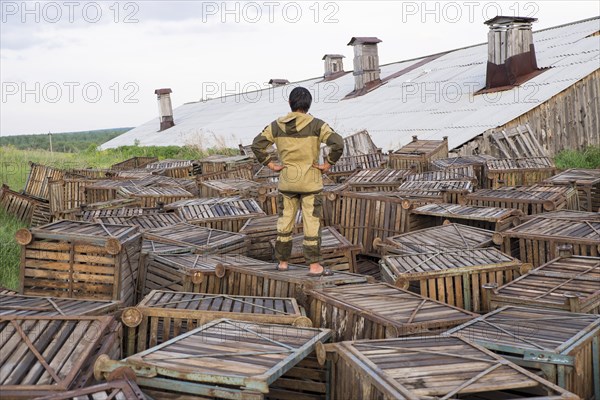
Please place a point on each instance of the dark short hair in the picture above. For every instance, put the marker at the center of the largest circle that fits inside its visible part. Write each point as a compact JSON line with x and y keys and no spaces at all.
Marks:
{"x":300,"y":99}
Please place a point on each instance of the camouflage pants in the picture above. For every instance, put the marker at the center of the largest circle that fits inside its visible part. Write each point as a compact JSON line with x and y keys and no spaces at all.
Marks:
{"x":312,"y":212}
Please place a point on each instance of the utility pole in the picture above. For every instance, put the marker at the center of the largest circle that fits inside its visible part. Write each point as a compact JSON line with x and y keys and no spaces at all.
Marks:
{"x":50,"y":137}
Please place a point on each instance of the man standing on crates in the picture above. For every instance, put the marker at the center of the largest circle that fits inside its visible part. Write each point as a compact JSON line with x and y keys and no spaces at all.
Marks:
{"x":297,"y":137}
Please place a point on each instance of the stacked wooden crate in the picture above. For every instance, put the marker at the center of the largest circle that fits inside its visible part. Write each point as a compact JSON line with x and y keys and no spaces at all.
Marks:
{"x":491,"y":218}
{"x":239,"y":361}
{"x":567,"y":283}
{"x":380,"y":310}
{"x":13,"y":304}
{"x":80,"y":260}
{"x":453,"y":191}
{"x":530,"y":200}
{"x":228,"y":188}
{"x":437,"y":239}
{"x":453,"y":277}
{"x":224,"y":213}
{"x":419,"y":154}
{"x":106,"y":190}
{"x":222,"y":163}
{"x":67,"y":195}
{"x":240,"y":172}
{"x":562,"y":347}
{"x":540,"y":239}
{"x":201,"y":239}
{"x":133,"y":163}
{"x":143,"y":221}
{"x":37,"y":184}
{"x":173,"y":168}
{"x":518,"y":171}
{"x":587,"y":182}
{"x":365,"y":216}
{"x":152,"y":196}
{"x":430,"y":368}
{"x":163,"y":315}
{"x":337,"y":253}
{"x":477,"y":162}
{"x":376,"y":180}
{"x":347,"y":165}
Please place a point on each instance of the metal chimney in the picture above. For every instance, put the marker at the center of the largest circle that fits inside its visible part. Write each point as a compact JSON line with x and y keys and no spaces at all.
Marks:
{"x":165,"y":108}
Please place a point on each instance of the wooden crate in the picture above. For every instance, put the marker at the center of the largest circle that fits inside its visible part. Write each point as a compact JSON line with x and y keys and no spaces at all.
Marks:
{"x":477,"y":162}
{"x":221,"y":163}
{"x":263,"y":279}
{"x":452,"y":277}
{"x":163,"y":315}
{"x":453,"y":191}
{"x":153,"y":196}
{"x":587,"y":182}
{"x":86,"y":173}
{"x":133,"y":163}
{"x":566,"y":215}
{"x":518,"y":171}
{"x":538,"y":240}
{"x":562,"y":347}
{"x":106,"y":190}
{"x":113,"y":209}
{"x":201,"y":239}
{"x":347,"y":165}
{"x":458,"y":173}
{"x":160,"y":181}
{"x":121,"y":389}
{"x":37,"y":181}
{"x":239,"y":359}
{"x":567,"y":283}
{"x":228,"y":188}
{"x":225,"y":213}
{"x":144,"y":221}
{"x":67,"y":195}
{"x":376,"y":180}
{"x":20,"y":305}
{"x":65,"y":344}
{"x":437,"y":239}
{"x":186,"y":272}
{"x":172,"y":168}
{"x":491,"y":218}
{"x":365,"y":216}
{"x":27,"y":209}
{"x":307,"y":380}
{"x":131,"y":174}
{"x":241,"y":172}
{"x":380,"y":310}
{"x":419,"y":153}
{"x":80,"y":260}
{"x":430,"y":368}
{"x":337,"y":252}
{"x":529,"y":199}
{"x":5,"y":291}
{"x":261,"y":231}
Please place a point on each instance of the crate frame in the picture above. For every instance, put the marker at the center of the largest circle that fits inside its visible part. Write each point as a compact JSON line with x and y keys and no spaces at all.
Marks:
{"x":419,"y":153}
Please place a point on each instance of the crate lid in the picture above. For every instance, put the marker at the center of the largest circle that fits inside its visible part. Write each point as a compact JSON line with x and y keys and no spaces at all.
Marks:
{"x":533,"y":193}
{"x":155,"y":247}
{"x":438,"y":262}
{"x":420,"y":147}
{"x":143,"y":221}
{"x":88,"y":231}
{"x":216,"y":208}
{"x":236,"y":353}
{"x":221,"y":158}
{"x":190,"y":263}
{"x":153,"y":191}
{"x":479,"y":159}
{"x":439,"y":367}
{"x":208,"y":302}
{"x":170,"y":163}
{"x":447,"y":185}
{"x":479,"y":213}
{"x":507,"y":164}
{"x":123,"y":389}
{"x":80,"y":336}
{"x":533,"y":333}
{"x":377,"y":176}
{"x":441,"y":238}
{"x":200,"y":237}
{"x":460,"y":173}
{"x":583,"y":177}
{"x":118,"y":211}
{"x":557,"y":280}
{"x":583,"y":228}
{"x":21,"y":305}
{"x":404,"y":312}
{"x":231,"y":184}
{"x":331,"y":241}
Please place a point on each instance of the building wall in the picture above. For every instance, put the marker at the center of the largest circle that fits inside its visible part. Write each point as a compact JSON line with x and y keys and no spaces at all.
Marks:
{"x":569,"y":120}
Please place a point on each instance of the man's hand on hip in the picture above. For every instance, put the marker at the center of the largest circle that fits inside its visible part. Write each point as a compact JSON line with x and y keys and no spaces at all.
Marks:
{"x":275,"y":167}
{"x":323,"y":167}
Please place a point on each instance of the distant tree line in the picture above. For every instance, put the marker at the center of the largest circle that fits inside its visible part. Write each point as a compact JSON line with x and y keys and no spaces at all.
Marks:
{"x":68,"y":142}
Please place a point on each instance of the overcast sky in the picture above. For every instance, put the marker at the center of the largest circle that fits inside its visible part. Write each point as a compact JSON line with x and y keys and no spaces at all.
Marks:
{"x":81,"y":65}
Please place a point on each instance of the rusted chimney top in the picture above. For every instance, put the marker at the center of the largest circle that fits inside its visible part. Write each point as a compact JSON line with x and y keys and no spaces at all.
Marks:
{"x":511,"y":53}
{"x":278,"y":82}
{"x":165,"y":108}
{"x":334,"y":64}
{"x":366,"y":62}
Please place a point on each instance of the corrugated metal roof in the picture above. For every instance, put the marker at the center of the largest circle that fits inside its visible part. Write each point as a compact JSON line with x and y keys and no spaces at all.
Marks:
{"x":432,"y":100}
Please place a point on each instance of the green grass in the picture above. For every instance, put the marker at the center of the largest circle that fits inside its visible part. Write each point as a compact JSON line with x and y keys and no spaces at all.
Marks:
{"x":9,"y":251}
{"x":14,"y":168}
{"x":67,"y":142}
{"x":588,"y":158}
